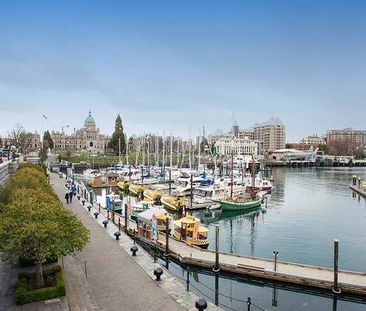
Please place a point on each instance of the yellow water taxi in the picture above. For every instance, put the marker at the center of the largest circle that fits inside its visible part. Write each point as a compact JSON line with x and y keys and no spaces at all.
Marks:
{"x":173,"y":204}
{"x":135,"y":189}
{"x":189,"y":230}
{"x":123,"y":185}
{"x":152,"y":195}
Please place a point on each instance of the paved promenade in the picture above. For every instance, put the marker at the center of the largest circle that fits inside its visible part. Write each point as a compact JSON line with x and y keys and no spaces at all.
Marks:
{"x":114,"y":280}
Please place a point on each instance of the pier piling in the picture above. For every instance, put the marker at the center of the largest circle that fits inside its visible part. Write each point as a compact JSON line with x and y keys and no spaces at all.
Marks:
{"x":167,"y":237}
{"x":336,"y":289}
{"x":126,"y":218}
{"x":187,"y":281}
{"x":216,"y":268}
{"x":275,"y":255}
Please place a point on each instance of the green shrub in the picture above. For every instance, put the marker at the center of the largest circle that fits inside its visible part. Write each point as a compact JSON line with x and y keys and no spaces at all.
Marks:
{"x":23,"y":295}
{"x":27,"y":262}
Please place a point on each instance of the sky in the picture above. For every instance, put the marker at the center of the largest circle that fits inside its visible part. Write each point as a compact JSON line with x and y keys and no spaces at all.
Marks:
{"x":175,"y":66}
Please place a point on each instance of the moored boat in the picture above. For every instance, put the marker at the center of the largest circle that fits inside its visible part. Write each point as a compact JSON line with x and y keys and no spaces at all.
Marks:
{"x":135,"y":189}
{"x":240,"y":204}
{"x":152,"y":195}
{"x":189,"y":230}
{"x":173,"y":204}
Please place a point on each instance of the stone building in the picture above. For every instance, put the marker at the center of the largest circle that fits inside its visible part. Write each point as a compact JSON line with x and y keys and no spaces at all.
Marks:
{"x":88,"y":138}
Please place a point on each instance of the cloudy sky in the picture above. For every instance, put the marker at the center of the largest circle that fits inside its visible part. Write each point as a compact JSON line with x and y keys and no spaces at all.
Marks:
{"x":179,"y":65}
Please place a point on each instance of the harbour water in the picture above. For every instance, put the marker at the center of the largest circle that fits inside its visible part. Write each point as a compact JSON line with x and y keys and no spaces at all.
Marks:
{"x":307,"y":210}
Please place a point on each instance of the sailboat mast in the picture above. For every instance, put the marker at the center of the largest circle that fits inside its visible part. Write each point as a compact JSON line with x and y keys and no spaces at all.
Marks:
{"x":199,"y":150}
{"x":171,"y":151}
{"x":163,"y":164}
{"x":232,"y":173}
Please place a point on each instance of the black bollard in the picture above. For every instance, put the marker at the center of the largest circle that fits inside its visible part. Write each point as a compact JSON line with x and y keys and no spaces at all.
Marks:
{"x":89,"y":207}
{"x":117,"y":235}
{"x":134,"y":250}
{"x":201,"y":304}
{"x":158,"y":272}
{"x":78,"y":197}
{"x":83,"y":201}
{"x":96,"y":214}
{"x":105,"y":223}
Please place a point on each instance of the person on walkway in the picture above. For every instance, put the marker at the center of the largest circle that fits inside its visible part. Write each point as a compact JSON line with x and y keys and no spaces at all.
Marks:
{"x":71,"y":194}
{"x":67,"y":197}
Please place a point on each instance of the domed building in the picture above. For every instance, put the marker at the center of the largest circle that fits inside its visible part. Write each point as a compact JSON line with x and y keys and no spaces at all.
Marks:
{"x":88,"y":138}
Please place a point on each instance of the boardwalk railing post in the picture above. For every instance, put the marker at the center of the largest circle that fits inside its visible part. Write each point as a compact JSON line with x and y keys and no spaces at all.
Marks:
{"x":126,"y":218}
{"x":275,"y":255}
{"x":216,"y":268}
{"x":335,"y":287}
{"x":187,"y":279}
{"x":167,"y":237}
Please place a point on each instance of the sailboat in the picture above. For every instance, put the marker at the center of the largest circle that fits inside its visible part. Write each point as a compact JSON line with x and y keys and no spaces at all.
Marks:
{"x":240,"y":202}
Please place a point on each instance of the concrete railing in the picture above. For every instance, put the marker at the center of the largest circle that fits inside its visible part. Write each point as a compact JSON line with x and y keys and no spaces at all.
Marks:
{"x":6,"y":169}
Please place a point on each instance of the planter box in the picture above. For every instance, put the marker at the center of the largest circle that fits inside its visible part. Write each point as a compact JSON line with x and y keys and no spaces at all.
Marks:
{"x":23,"y":295}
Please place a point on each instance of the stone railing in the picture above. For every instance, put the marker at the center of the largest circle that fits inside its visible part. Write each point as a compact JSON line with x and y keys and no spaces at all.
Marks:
{"x":6,"y":169}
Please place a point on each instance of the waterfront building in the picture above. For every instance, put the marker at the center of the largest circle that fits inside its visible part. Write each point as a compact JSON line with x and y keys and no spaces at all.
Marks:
{"x":272,"y":134}
{"x":88,"y":138}
{"x":348,"y":135}
{"x":239,"y":146}
{"x":313,"y":140}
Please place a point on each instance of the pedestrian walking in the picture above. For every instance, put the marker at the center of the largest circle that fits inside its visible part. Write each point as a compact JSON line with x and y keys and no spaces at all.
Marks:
{"x":67,"y":197}
{"x":70,"y":196}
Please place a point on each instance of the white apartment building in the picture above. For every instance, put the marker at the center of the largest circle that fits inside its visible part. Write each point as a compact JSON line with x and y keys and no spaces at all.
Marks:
{"x":238,"y":146}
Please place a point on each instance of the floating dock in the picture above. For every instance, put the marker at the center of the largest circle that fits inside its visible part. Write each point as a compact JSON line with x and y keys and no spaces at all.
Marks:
{"x":359,"y":190}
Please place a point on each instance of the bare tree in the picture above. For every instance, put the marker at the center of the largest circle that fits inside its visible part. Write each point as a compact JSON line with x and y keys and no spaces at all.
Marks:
{"x":20,"y":138}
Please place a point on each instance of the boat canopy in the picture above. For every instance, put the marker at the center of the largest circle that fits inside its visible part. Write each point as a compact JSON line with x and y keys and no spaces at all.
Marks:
{"x":148,"y":214}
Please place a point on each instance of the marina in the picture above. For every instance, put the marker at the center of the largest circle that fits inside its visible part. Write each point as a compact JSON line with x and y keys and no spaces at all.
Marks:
{"x":286,"y":272}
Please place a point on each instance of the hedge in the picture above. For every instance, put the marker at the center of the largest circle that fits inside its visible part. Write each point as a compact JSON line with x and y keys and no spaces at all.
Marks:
{"x":23,"y":295}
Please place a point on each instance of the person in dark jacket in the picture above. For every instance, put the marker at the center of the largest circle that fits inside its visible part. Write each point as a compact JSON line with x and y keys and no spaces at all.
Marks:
{"x":70,"y":196}
{"x":67,"y":197}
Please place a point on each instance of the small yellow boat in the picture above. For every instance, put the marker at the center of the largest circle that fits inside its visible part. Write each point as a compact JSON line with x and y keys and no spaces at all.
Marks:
{"x":152,"y":195}
{"x":135,"y":189}
{"x":173,"y":204}
{"x":123,"y":185}
{"x":189,"y":230}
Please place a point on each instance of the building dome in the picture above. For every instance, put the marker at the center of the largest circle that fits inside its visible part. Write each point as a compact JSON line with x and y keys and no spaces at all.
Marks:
{"x":89,"y":120}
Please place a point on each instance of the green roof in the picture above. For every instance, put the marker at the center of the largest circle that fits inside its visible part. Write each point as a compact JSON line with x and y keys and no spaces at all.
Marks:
{"x":89,"y":119}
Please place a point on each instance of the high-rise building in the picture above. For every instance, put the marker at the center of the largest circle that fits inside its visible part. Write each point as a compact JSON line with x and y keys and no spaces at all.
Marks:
{"x":272,"y":134}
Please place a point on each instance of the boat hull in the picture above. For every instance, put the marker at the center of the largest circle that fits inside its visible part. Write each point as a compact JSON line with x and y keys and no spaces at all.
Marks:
{"x":240,"y":206}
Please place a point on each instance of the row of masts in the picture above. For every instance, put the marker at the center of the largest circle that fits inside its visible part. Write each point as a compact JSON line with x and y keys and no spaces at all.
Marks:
{"x":145,"y":152}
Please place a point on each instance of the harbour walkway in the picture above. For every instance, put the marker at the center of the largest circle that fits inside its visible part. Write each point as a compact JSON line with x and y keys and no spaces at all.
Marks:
{"x":114,"y":281}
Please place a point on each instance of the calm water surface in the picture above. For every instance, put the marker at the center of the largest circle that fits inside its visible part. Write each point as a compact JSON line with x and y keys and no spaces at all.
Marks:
{"x":307,"y":210}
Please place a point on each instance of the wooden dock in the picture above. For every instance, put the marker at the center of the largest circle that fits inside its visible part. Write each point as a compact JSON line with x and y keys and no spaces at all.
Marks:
{"x":350,"y":282}
{"x":304,"y":275}
{"x":359,"y":190}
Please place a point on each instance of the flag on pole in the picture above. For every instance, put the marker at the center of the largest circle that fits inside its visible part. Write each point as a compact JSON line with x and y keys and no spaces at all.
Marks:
{"x":44,"y":116}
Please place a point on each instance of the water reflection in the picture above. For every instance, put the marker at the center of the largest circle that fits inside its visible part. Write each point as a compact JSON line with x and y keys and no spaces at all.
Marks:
{"x":231,"y":293}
